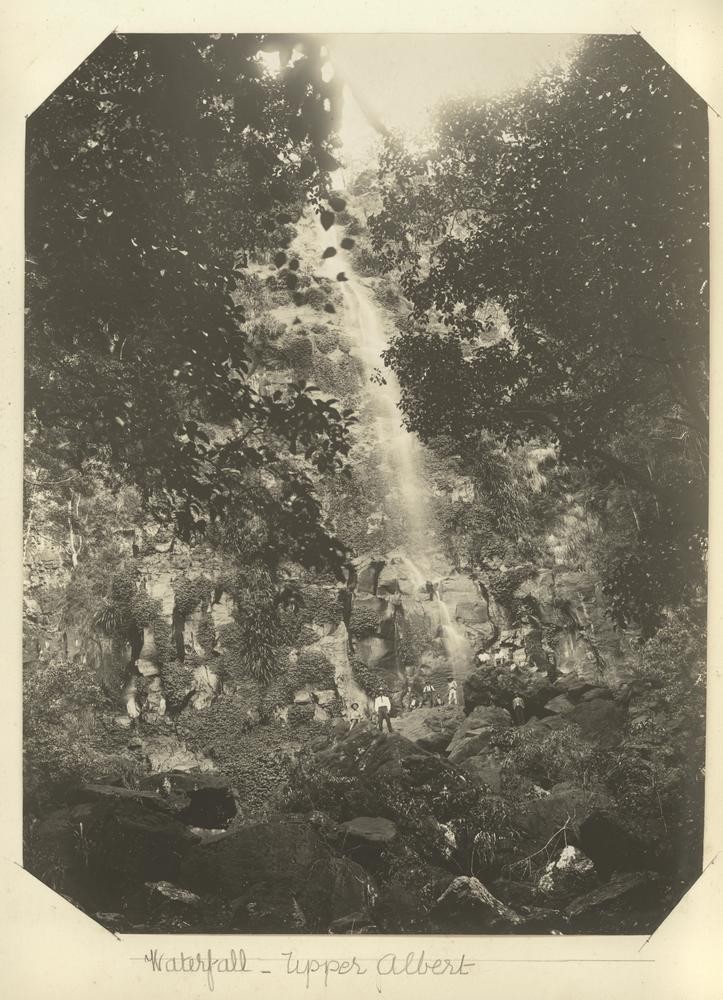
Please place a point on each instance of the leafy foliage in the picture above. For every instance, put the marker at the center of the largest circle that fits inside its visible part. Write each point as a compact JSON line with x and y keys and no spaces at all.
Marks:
{"x":146,"y":168}
{"x":189,"y":594}
{"x":418,"y":804}
{"x":553,"y":245}
{"x":366,"y":677}
{"x":363,"y":621}
{"x":251,"y":645}
{"x":67,"y":736}
{"x":312,"y":667}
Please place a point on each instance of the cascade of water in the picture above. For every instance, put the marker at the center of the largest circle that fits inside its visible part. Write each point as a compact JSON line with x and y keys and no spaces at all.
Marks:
{"x":399,"y":451}
{"x":457,"y":648}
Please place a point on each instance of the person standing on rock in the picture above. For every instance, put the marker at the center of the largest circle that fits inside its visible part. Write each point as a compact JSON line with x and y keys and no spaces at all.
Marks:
{"x":428,"y":692}
{"x":518,"y":710}
{"x":383,"y":707}
{"x":551,"y":662}
{"x":452,"y":691}
{"x":355,"y":715}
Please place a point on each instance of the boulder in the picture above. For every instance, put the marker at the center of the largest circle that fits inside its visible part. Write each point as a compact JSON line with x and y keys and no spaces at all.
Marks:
{"x":594,"y":693}
{"x":568,"y":876}
{"x":371,"y":829}
{"x":430,"y":728}
{"x":599,"y":721}
{"x":630,"y":903}
{"x":352,"y":895}
{"x":129,"y":841}
{"x":466,"y":906}
{"x":365,"y":751}
{"x":279,"y":851}
{"x":565,"y":807}
{"x":281,"y":878}
{"x":484,"y":770}
{"x":474,"y":734}
{"x":611,"y":846}
{"x":169,"y":894}
{"x":163,"y":906}
{"x":573,"y":686}
{"x":559,"y":705}
{"x":116,"y":794}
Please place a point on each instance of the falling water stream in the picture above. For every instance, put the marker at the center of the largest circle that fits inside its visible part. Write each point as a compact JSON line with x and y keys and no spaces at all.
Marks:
{"x":400,"y":455}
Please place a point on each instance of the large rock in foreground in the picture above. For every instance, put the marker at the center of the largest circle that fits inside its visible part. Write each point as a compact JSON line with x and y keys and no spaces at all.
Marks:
{"x":134,"y":843}
{"x":371,"y":829}
{"x":564,"y":808}
{"x":473,"y":736}
{"x":631,"y":903}
{"x":280,"y":850}
{"x":430,"y":728}
{"x":280,"y":875}
{"x":466,"y":906}
{"x":368,"y":752}
{"x":568,"y":876}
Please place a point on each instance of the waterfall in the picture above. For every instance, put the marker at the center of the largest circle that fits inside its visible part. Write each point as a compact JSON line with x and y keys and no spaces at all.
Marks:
{"x":398,"y":449}
{"x":400,"y":454}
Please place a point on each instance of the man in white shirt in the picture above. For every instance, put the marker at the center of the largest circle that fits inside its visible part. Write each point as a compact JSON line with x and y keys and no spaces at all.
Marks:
{"x":383,"y":707}
{"x":452,"y":692}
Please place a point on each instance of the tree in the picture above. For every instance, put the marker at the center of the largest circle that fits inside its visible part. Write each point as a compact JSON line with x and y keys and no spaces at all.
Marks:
{"x":554,"y":247}
{"x":155,"y":172}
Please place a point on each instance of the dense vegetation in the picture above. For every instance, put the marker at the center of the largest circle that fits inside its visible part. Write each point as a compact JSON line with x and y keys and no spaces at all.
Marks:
{"x":156,"y":172}
{"x":554,"y":245}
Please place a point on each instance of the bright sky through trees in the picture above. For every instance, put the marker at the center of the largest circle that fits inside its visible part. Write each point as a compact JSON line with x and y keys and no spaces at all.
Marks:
{"x":403,"y":76}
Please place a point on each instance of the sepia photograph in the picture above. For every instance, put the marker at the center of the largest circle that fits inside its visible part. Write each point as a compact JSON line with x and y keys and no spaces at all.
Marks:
{"x":365,"y":484}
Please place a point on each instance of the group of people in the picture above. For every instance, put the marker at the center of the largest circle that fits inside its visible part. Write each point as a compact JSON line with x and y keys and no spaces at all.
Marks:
{"x":504,"y":658}
{"x":430,"y":695}
{"x":383,"y":705}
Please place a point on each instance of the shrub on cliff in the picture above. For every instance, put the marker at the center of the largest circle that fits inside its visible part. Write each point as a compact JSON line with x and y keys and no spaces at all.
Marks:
{"x":366,"y":677}
{"x":190,"y":593}
{"x":321,"y":606}
{"x":363,"y":621}
{"x":177,"y":681}
{"x":298,"y":715}
{"x":313,"y":668}
{"x":326,"y":338}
